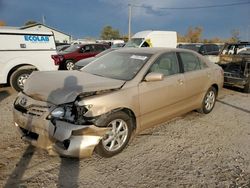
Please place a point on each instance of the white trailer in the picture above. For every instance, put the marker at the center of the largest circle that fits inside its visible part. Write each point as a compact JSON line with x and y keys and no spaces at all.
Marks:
{"x":153,"y":39}
{"x":23,"y":51}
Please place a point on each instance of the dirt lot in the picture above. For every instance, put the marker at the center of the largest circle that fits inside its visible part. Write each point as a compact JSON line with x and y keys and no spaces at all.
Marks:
{"x":191,"y":151}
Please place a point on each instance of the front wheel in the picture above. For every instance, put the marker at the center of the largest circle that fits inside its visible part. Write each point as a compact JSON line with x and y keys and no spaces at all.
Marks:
{"x":116,"y":140}
{"x":208,"y":101}
{"x":19,"y":77}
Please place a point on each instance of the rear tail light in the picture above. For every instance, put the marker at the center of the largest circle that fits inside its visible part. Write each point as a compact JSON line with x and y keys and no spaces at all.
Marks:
{"x":57,"y":59}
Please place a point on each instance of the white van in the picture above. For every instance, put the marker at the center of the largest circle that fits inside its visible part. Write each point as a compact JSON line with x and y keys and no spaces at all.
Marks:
{"x":153,"y":39}
{"x":22,"y":52}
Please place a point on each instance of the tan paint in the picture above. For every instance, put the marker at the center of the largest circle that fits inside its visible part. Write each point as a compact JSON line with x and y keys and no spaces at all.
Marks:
{"x":152,"y":102}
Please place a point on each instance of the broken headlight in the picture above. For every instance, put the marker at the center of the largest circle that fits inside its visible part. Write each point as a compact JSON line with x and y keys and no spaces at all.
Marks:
{"x":59,"y":112}
{"x":70,"y":112}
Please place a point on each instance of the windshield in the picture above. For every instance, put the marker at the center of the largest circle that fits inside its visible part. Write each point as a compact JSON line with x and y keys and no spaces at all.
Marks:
{"x":72,"y":48}
{"x":117,"y":65}
{"x":134,"y":42}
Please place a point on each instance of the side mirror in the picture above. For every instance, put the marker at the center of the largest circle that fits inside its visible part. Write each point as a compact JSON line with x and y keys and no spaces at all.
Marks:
{"x":154,"y":76}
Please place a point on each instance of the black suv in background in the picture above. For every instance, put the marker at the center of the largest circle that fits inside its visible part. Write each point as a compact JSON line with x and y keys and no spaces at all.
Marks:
{"x":234,"y":58}
{"x":204,"y":49}
{"x":210,"y":51}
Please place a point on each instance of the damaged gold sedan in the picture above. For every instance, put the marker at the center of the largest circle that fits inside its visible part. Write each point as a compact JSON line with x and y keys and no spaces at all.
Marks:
{"x":73,"y":113}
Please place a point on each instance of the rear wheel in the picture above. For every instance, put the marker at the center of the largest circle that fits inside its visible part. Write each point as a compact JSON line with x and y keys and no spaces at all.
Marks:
{"x":19,"y":77}
{"x":116,"y":140}
{"x":69,"y":64}
{"x":247,"y":86}
{"x":208,"y":101}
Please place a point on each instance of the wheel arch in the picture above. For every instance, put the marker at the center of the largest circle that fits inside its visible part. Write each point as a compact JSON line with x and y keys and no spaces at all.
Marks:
{"x":216,"y":87}
{"x":63,"y":64}
{"x":98,"y":121}
{"x":22,"y":66}
{"x":132,"y":115}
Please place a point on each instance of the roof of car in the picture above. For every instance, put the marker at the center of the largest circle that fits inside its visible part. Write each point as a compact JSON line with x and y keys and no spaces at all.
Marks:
{"x":153,"y":50}
{"x":236,"y":43}
{"x":84,"y":44}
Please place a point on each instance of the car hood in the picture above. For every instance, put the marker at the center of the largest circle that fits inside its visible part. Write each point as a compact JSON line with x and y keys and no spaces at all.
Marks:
{"x":58,"y":87}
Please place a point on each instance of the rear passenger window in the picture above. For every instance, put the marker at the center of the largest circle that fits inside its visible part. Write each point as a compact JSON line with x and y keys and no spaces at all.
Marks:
{"x":87,"y":48}
{"x":99,"y":48}
{"x":191,"y":62}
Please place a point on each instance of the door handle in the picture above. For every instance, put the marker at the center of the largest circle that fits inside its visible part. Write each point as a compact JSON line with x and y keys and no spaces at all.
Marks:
{"x":180,"y":81}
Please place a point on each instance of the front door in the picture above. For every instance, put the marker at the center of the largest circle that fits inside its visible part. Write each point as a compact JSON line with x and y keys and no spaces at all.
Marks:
{"x":160,"y":100}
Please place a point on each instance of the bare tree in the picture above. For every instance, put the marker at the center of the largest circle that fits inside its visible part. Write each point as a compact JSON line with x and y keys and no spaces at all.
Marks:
{"x":194,"y":34}
{"x":235,"y":36}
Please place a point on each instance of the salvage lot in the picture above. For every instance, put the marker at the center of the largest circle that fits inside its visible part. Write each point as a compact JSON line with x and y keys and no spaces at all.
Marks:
{"x":194,"y":150}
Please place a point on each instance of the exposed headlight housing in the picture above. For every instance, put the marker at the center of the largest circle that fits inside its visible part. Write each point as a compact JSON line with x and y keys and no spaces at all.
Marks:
{"x":59,"y":112}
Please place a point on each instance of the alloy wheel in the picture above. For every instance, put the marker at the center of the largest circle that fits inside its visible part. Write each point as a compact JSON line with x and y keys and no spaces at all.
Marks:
{"x":70,"y":65}
{"x":116,"y":138}
{"x":210,"y":100}
{"x":22,"y":79}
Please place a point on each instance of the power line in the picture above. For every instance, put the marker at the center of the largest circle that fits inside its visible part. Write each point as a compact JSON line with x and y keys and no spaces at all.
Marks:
{"x":196,"y":7}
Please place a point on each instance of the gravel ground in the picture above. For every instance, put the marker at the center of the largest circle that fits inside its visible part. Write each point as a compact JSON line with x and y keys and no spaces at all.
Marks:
{"x":191,"y":151}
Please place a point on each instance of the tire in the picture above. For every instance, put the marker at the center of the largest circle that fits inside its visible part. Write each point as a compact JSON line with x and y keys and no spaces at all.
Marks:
{"x":116,"y":140}
{"x":19,"y":77}
{"x":69,"y":64}
{"x":208,"y":101}
{"x":247,"y":86}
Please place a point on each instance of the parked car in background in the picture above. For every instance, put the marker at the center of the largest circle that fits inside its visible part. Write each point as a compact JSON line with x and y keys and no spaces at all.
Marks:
{"x":153,"y":39}
{"x":204,"y":49}
{"x":235,"y":61}
{"x":22,"y":52}
{"x":190,"y":46}
{"x":62,"y":47}
{"x":128,"y":90}
{"x":118,"y":45}
{"x":74,"y":53}
{"x":82,"y":63}
{"x":210,"y":51}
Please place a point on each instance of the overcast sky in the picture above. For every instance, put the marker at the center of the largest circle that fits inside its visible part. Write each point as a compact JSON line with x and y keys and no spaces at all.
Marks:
{"x":86,"y":18}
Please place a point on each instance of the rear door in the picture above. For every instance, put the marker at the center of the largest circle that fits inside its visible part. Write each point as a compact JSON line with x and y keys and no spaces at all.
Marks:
{"x":85,"y":52}
{"x":99,"y":48}
{"x":197,"y":77}
{"x":159,"y":100}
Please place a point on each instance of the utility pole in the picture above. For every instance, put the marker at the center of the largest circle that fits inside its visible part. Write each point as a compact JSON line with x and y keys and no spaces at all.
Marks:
{"x":248,"y":33}
{"x":43,"y":18}
{"x":129,"y":20}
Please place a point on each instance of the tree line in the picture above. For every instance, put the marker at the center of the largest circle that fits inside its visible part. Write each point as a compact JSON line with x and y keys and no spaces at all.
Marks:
{"x":193,"y":34}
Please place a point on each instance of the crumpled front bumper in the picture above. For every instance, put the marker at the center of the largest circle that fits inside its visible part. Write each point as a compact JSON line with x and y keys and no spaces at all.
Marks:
{"x":63,"y":138}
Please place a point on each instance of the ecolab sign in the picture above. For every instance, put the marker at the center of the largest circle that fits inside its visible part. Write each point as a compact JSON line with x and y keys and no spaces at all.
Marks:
{"x":36,"y":38}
